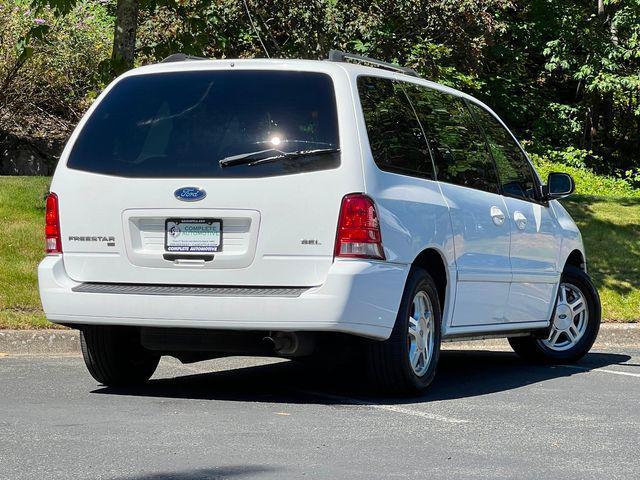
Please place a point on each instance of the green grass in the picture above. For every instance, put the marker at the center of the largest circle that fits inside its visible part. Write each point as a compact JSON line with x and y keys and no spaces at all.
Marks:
{"x":611,"y":233}
{"x":21,"y":248}
{"x":610,"y":228}
{"x":607,"y":210}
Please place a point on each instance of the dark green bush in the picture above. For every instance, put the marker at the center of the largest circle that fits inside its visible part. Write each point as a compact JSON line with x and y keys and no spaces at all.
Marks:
{"x":48,"y":93}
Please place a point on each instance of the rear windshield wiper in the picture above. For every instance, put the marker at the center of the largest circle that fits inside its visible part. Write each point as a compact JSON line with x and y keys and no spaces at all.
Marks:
{"x":271,"y":155}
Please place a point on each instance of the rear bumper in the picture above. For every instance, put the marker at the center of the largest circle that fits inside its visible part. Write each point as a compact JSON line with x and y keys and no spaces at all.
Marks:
{"x":358,"y":297}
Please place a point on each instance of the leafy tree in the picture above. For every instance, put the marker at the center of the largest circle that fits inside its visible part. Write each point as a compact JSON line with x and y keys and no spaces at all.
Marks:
{"x":125,"y":27}
{"x":600,"y":59}
{"x":443,"y":39}
{"x":567,"y":74}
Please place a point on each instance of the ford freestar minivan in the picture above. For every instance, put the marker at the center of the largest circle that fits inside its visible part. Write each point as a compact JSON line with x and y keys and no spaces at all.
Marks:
{"x":287,"y":207}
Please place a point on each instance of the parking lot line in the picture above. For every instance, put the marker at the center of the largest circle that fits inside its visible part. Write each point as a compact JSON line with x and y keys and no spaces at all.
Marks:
{"x":602,"y":370}
{"x":388,"y":408}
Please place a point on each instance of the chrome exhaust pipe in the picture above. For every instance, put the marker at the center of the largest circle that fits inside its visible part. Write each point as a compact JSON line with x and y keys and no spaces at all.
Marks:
{"x":290,"y":344}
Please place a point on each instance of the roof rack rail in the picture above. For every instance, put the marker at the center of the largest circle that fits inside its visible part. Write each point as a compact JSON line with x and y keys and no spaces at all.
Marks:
{"x":180,"y":57}
{"x":338,"y":56}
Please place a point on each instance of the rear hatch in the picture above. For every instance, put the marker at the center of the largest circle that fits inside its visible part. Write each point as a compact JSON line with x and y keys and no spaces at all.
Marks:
{"x":210,"y":176}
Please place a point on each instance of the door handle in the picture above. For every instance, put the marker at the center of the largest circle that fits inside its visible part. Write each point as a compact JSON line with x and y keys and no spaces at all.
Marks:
{"x":497,"y":216}
{"x":520,"y":219}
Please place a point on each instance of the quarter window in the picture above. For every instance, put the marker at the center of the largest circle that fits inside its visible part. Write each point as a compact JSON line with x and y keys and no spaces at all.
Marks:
{"x":457,"y":144}
{"x":395,"y":137}
{"x":514,"y":170}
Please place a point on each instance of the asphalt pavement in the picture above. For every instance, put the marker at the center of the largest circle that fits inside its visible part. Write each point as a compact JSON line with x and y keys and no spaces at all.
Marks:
{"x":488,"y":415}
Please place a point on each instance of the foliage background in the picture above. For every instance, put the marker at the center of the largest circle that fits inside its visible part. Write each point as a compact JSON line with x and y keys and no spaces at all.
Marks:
{"x":565,"y":75}
{"x":43,"y":97}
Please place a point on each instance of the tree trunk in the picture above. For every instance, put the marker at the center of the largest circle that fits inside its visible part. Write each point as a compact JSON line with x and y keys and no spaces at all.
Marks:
{"x":599,"y":108}
{"x":124,"y":36}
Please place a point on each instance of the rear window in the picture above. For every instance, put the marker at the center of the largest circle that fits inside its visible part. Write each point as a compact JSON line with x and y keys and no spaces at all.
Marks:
{"x":182,"y":124}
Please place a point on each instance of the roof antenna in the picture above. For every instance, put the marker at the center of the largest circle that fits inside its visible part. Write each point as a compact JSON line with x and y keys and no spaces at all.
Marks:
{"x":253,"y":25}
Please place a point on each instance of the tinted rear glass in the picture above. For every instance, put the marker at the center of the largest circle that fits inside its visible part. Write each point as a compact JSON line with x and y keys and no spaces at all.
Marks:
{"x":182,"y":124}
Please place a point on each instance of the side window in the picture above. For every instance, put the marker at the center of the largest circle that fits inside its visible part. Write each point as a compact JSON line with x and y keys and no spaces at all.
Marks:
{"x":514,"y":169}
{"x":395,"y":137}
{"x":457,"y":144}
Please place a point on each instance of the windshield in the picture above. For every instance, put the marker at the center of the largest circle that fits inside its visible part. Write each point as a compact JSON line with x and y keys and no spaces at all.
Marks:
{"x":182,"y":124}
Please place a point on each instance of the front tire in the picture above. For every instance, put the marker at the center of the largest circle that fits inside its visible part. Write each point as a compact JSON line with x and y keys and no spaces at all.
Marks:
{"x":574,"y":325}
{"x":406,"y":362}
{"x":114,"y":356}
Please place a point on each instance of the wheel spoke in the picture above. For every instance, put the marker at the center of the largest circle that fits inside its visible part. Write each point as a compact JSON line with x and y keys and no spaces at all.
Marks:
{"x":415,"y":358}
{"x":553,"y":337}
{"x":428,"y":329}
{"x":417,"y":307}
{"x":414,"y":328}
{"x":573,"y":332}
{"x":562,"y":294}
{"x":427,"y":346}
{"x":578,"y":307}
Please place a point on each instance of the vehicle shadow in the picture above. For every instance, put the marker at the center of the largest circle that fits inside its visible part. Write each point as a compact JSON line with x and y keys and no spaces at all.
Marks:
{"x":461,"y":374}
{"x":201,"y":473}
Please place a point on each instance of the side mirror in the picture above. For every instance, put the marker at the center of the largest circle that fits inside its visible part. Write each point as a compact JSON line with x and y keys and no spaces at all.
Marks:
{"x":559,"y":185}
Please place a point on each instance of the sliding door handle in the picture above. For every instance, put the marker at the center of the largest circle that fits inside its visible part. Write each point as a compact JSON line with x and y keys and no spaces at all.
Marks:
{"x":497,"y":216}
{"x":520,"y":220}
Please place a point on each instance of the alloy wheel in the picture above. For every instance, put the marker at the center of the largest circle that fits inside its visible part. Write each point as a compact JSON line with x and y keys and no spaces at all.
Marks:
{"x":569,"y":320}
{"x":420,"y":335}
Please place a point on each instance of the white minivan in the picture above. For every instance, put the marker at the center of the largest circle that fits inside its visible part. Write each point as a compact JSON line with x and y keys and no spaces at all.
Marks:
{"x":298,"y":208}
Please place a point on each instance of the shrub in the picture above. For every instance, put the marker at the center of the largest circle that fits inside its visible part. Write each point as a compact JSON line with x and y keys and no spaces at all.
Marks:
{"x":587,"y":182}
{"x":51,"y":90}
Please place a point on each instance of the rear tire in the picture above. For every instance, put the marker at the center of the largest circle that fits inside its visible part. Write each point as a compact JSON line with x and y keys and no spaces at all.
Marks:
{"x":406,"y":362}
{"x":574,"y":325}
{"x":114,"y":356}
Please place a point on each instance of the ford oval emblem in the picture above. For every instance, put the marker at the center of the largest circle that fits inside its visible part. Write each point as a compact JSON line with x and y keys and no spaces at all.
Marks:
{"x":190,"y":194}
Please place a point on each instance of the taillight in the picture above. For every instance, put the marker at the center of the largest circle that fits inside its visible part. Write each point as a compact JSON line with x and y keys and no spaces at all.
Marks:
{"x":358,"y":229}
{"x":52,"y":226}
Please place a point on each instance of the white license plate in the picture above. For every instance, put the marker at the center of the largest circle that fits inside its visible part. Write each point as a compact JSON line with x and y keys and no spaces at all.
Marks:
{"x":193,"y":235}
